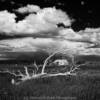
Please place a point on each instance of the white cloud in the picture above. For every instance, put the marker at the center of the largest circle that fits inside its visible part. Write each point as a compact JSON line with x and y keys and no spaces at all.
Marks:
{"x":44,"y":20}
{"x":92,"y":30}
{"x":55,"y":16}
{"x":69,"y":34}
{"x":7,"y":21}
{"x":29,"y":44}
{"x":92,"y":34}
{"x":28,"y":9}
{"x":47,"y":44}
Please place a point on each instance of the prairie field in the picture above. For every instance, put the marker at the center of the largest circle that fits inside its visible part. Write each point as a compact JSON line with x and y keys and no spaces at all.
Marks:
{"x":84,"y":86}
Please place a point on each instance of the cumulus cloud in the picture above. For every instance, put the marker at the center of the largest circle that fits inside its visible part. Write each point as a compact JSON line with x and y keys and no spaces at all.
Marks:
{"x":69,"y":34}
{"x":55,"y":16}
{"x":29,"y":9}
{"x":92,"y":34}
{"x":92,"y":30}
{"x":45,"y":19}
{"x":29,"y":44}
{"x":7,"y":21}
{"x":48,"y":45}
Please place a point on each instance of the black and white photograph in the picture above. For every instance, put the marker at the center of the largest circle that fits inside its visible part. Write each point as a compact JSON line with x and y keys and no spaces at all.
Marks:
{"x":49,"y":50}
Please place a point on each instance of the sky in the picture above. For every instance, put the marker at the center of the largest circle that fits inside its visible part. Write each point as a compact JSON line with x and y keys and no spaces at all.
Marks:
{"x":49,"y":25}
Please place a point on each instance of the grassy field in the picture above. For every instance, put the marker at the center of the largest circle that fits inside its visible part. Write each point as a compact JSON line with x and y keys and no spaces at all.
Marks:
{"x":84,"y":86}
